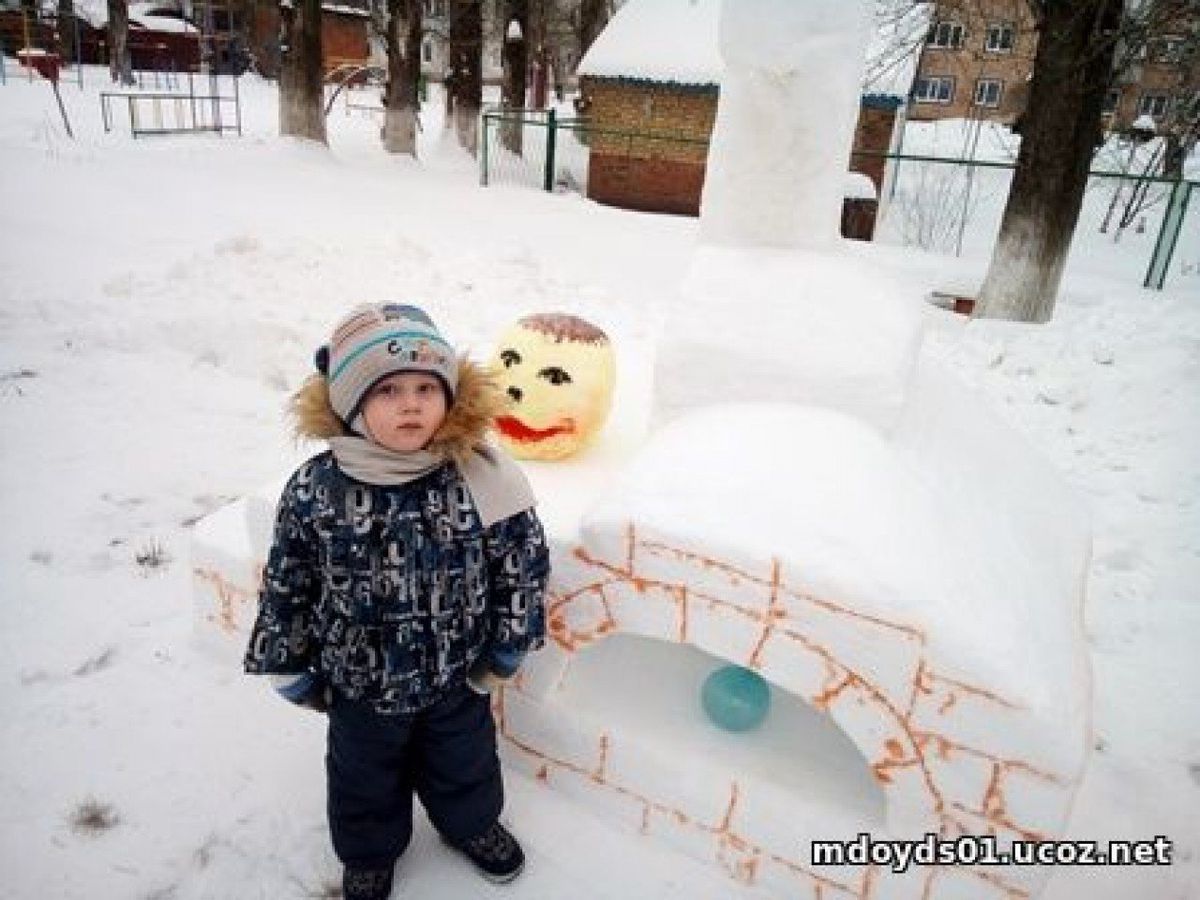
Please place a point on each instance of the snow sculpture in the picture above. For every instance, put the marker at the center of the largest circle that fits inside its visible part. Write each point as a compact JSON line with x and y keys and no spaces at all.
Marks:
{"x":785,"y":122}
{"x":853,"y":527}
{"x":557,"y":371}
{"x":847,"y":522}
{"x":796,"y":323}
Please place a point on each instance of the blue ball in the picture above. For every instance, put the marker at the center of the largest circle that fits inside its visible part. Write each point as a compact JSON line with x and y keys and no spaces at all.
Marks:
{"x":736,"y":698}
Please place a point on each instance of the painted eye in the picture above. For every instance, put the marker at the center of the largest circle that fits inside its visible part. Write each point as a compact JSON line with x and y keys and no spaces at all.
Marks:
{"x":555,"y":375}
{"x":510,"y":358}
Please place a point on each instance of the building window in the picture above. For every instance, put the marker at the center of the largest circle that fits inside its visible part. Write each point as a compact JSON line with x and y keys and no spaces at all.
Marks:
{"x":1153,"y":105}
{"x":427,"y":52}
{"x":1187,"y":108}
{"x":946,"y":35}
{"x":1166,"y":50}
{"x":1111,"y":99}
{"x":934,"y":89}
{"x":999,"y":38}
{"x":987,"y":91}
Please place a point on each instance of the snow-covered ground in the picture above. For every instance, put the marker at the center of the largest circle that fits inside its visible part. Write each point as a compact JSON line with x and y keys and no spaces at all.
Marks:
{"x":161,"y":299}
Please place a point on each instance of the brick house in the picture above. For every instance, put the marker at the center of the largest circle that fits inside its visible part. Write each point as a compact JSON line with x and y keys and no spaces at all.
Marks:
{"x":652,"y":115}
{"x":978,"y":57}
{"x":344,"y":35}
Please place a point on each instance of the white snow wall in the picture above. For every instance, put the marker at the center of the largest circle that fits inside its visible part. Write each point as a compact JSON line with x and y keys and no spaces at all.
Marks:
{"x":785,"y":122}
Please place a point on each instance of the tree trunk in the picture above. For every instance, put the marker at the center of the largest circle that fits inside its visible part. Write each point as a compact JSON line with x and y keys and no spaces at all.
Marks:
{"x":593,"y":16}
{"x":400,"y":100}
{"x":541,"y":76}
{"x":535,"y":52}
{"x":120,"y":66}
{"x":301,"y":91}
{"x":466,"y":69}
{"x":1176,"y":153}
{"x":1060,"y":129}
{"x":516,"y":60}
{"x":66,"y":30}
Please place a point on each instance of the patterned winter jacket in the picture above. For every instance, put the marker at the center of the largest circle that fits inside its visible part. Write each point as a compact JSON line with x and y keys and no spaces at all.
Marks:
{"x":391,"y":593}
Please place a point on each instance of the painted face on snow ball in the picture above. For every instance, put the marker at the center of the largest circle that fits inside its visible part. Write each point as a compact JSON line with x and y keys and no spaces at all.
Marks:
{"x":403,"y":410}
{"x":557,"y":372}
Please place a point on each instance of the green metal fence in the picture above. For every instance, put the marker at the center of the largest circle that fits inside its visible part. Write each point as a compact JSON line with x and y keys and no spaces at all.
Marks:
{"x":554,"y":151}
{"x":1131,"y":227}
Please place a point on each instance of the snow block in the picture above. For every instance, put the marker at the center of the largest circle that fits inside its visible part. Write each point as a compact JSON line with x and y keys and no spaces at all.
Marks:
{"x":861,"y":576}
{"x":913,"y":597}
{"x":775,"y":178}
{"x":799,"y":326}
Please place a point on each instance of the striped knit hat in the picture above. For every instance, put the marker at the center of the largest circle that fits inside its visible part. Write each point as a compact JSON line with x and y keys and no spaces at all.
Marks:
{"x":377,"y":340}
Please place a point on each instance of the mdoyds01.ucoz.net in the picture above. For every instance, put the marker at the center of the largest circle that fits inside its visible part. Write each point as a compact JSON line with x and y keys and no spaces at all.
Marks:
{"x":985,"y":850}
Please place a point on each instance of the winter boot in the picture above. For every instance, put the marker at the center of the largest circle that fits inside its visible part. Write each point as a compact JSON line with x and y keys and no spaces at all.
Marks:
{"x":496,"y":854}
{"x":366,"y":884}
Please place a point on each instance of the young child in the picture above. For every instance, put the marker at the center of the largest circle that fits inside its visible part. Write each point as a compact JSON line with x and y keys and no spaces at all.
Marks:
{"x":406,"y":577}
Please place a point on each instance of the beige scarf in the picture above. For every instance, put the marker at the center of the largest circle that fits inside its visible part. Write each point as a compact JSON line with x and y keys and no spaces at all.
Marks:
{"x":497,"y":485}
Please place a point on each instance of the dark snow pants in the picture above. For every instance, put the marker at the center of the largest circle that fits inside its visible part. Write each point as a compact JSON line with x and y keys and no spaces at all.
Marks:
{"x":374,"y":763}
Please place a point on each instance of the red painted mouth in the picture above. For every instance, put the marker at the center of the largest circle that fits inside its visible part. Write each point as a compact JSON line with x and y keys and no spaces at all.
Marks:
{"x":519,"y":431}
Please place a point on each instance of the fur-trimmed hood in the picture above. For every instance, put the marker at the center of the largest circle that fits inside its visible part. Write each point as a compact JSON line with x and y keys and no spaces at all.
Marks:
{"x":476,"y":404}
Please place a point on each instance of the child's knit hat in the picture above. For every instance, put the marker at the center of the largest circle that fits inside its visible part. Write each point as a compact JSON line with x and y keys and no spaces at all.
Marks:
{"x":376,"y":340}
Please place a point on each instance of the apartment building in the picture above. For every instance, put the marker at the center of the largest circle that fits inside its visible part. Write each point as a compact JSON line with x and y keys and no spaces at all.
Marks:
{"x":976,"y":61}
{"x":978,"y":57}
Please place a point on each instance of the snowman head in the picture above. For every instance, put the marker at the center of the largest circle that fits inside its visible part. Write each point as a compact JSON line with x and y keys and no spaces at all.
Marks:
{"x":557,"y":372}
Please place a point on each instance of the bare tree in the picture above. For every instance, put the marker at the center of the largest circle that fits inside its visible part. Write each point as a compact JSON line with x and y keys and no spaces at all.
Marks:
{"x":120,"y":64}
{"x":593,"y":15}
{"x":516,"y":58}
{"x":465,"y":88}
{"x":1084,"y":48}
{"x":1181,"y":127}
{"x":401,"y":101}
{"x":1060,"y":130}
{"x":301,"y":89}
{"x":66,"y":28}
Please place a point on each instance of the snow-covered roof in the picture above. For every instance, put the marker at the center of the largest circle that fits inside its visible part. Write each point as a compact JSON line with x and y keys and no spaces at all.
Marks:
{"x":148,"y":15}
{"x":659,"y":40}
{"x":163,"y":23}
{"x":675,"y":41}
{"x":1145,"y":123}
{"x":345,"y":9}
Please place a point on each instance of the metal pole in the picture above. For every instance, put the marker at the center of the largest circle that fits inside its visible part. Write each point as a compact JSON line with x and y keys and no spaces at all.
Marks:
{"x":78,"y":53}
{"x":237,"y":105}
{"x":28,"y":58}
{"x":1168,"y":235}
{"x":899,"y":151}
{"x":966,"y":204}
{"x":550,"y":130}
{"x":483,"y":155}
{"x":62,"y":109}
{"x":209,"y":44}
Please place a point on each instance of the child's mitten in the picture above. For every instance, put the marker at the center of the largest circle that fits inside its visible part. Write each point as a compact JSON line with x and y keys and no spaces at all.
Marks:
{"x":306,"y":689}
{"x":483,"y":678}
